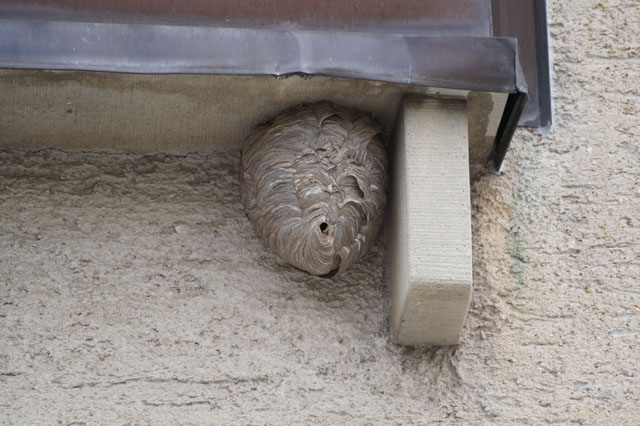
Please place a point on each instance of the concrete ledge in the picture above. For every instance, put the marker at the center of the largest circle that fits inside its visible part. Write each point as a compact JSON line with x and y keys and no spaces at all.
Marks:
{"x":182,"y":113}
{"x":430,"y":232}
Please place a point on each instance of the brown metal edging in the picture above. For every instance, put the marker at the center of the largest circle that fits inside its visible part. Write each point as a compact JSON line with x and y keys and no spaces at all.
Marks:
{"x":488,"y":64}
{"x":527,"y":21}
{"x":506,"y":129}
{"x":467,"y":63}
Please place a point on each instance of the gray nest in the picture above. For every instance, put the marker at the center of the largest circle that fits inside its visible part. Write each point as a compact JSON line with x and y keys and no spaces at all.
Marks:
{"x":314,"y":185}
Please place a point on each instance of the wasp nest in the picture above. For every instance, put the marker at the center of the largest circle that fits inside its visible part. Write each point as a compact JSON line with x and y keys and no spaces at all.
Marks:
{"x":313,"y":185}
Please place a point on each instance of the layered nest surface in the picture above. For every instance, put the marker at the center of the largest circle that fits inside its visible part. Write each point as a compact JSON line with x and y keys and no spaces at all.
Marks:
{"x":314,"y":185}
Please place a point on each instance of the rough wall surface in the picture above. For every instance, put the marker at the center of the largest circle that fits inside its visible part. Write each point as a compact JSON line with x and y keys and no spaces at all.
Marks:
{"x":133,"y":288}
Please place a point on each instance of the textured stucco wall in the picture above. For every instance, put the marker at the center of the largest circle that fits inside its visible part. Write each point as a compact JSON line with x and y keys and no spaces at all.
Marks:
{"x":133,"y":289}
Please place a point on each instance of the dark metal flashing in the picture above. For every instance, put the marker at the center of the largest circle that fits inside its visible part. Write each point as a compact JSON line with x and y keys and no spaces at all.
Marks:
{"x":526,"y":20}
{"x":443,"y":43}
{"x":468,"y":63}
{"x":433,"y":17}
{"x":512,"y":112}
{"x":543,"y":65}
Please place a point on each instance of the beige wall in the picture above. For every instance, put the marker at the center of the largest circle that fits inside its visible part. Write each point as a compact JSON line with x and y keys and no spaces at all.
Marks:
{"x":178,"y":114}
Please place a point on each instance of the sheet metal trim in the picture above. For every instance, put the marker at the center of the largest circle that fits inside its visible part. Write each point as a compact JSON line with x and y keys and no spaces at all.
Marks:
{"x":487,"y":64}
{"x":434,"y":17}
{"x":526,"y":20}
{"x":470,"y":63}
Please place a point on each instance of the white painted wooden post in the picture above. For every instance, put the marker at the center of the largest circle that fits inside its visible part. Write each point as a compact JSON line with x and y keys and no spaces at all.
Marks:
{"x":430,"y":232}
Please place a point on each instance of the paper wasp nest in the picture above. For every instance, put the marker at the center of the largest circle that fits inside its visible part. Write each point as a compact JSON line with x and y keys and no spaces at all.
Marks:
{"x":313,"y":185}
